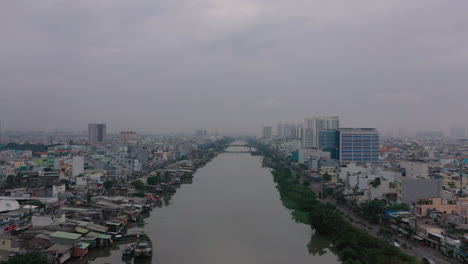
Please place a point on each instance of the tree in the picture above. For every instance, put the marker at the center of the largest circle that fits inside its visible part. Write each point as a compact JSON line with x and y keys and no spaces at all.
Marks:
{"x":306,"y":183}
{"x":139,"y":185}
{"x":376,"y":182}
{"x":398,"y":207}
{"x":372,"y":210}
{"x":139,"y":194}
{"x":28,"y":258}
{"x":109,"y":184}
{"x":326,"y":177}
{"x":153,"y":180}
{"x":167,"y":177}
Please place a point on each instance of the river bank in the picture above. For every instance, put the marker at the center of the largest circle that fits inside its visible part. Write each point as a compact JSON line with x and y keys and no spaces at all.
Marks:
{"x":230,"y":214}
{"x":352,"y":244}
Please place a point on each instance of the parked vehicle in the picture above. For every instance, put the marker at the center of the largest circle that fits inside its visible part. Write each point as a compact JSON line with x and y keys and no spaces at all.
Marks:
{"x":427,"y":260}
{"x":394,"y":243}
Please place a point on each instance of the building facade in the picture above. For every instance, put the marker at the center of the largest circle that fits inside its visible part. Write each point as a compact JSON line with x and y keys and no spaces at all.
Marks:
{"x":97,"y":133}
{"x":359,"y":145}
{"x":128,"y":138}
{"x":313,"y":127}
{"x":266,"y":132}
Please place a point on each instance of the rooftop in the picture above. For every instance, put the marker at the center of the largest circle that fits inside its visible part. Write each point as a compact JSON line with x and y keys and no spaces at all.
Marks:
{"x":65,"y":235}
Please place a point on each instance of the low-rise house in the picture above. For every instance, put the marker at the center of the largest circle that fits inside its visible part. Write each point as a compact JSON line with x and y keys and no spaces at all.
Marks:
{"x":81,"y":249}
{"x":58,"y":253}
{"x":40,"y":241}
{"x":65,"y":238}
{"x":457,"y":206}
{"x":11,"y":244}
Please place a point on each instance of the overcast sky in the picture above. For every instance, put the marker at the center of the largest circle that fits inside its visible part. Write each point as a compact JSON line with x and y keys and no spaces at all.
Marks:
{"x":232,"y":65}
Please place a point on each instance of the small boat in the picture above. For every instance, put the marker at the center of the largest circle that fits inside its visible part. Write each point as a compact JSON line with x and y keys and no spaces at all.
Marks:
{"x":144,"y":247}
{"x":128,"y":252}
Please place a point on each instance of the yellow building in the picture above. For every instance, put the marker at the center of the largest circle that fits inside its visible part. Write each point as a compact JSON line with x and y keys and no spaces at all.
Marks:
{"x":456,"y":206}
{"x":453,"y":181}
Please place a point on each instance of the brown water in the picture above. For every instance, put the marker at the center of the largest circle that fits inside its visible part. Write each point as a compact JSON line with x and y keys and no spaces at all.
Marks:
{"x":232,"y":213}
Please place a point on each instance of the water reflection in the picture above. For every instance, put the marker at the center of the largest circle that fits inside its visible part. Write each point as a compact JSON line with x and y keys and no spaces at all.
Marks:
{"x":233,"y":214}
{"x":319,"y":245}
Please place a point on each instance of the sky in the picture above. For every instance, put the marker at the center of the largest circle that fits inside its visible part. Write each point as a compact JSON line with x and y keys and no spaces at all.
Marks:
{"x":232,"y":66}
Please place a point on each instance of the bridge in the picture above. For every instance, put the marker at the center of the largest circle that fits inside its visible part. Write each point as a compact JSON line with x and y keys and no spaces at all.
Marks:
{"x":240,"y":151}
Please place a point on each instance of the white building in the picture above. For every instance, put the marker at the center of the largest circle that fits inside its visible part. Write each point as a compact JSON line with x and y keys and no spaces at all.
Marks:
{"x":415,"y":169}
{"x":307,"y":154}
{"x":313,"y":126}
{"x":77,"y":165}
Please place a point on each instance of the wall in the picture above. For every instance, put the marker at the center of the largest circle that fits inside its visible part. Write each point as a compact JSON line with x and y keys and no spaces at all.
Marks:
{"x":415,"y":189}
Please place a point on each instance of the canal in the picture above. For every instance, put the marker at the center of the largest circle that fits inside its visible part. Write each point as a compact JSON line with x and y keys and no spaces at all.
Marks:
{"x":231,"y":213}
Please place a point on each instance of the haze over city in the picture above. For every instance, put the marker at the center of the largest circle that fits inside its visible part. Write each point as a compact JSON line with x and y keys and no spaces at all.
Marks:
{"x":231,"y":66}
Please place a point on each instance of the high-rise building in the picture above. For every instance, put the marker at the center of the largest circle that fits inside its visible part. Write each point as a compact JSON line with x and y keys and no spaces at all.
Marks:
{"x":266,"y":132}
{"x":313,"y":127}
{"x":201,"y":133}
{"x":329,"y":142}
{"x":457,"y":132}
{"x":279,"y":130}
{"x":97,"y":133}
{"x":359,"y":145}
{"x":128,"y":138}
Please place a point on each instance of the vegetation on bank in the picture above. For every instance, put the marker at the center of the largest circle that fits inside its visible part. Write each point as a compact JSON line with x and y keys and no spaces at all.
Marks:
{"x":27,"y":258}
{"x":353,"y":245}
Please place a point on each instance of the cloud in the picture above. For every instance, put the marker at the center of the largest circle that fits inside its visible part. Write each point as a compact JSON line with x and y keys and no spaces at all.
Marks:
{"x":156,"y":66}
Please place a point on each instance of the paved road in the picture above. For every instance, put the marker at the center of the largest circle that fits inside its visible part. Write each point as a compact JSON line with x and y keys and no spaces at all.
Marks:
{"x":416,"y":250}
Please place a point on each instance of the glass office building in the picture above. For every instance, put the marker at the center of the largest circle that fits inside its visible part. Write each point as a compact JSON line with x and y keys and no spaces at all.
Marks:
{"x":359,"y":145}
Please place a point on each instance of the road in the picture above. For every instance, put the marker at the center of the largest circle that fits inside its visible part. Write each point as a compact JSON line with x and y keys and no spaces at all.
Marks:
{"x":412,"y":249}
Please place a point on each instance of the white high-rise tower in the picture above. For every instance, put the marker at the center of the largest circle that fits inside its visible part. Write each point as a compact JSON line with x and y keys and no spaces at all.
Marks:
{"x":313,"y":126}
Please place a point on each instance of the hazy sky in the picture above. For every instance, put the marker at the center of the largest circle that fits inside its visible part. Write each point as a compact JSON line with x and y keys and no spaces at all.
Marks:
{"x":232,"y":66}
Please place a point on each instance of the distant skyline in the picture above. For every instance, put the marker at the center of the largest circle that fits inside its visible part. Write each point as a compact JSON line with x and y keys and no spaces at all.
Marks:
{"x":232,"y":66}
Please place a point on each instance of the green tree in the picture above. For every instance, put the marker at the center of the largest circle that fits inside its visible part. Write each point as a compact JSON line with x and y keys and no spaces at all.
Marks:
{"x":166,"y":177}
{"x":396,"y":207}
{"x":139,"y":194}
{"x":139,"y":185}
{"x":372,"y":210}
{"x":306,"y":183}
{"x":153,"y":180}
{"x":376,"y":182}
{"x":326,"y":177}
{"x":28,"y":258}
{"x":108,"y":184}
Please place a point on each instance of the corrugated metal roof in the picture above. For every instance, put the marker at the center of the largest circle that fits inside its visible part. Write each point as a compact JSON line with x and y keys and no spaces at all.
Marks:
{"x":65,"y":235}
{"x":103,"y":236}
{"x":81,"y":230}
{"x":82,"y":245}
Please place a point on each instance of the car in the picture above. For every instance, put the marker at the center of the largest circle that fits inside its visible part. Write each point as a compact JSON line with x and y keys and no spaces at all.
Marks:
{"x":427,"y":260}
{"x":394,"y":243}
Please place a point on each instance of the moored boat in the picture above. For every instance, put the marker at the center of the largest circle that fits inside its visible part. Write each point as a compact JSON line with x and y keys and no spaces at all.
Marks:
{"x":128,"y":252}
{"x":144,"y":247}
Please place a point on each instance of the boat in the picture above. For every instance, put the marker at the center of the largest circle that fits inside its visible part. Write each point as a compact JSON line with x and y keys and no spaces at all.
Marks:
{"x":143,"y":248}
{"x":126,"y":237}
{"x":128,"y":252}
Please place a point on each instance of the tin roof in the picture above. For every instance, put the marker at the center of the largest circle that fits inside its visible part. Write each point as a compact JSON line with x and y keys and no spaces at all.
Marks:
{"x":65,"y":235}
